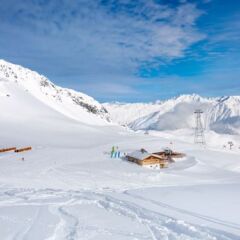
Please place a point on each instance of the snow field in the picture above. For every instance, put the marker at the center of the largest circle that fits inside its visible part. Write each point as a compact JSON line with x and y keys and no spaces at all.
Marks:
{"x":72,"y":215}
{"x":96,"y":197}
{"x":69,"y":188}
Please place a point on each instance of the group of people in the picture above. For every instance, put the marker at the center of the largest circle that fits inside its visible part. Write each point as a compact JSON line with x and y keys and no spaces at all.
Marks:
{"x":115,"y":153}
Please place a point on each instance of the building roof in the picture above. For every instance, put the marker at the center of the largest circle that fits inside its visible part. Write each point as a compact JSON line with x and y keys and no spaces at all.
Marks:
{"x":141,"y":155}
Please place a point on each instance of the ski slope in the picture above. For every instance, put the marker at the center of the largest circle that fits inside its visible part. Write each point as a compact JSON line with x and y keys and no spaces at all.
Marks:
{"x":73,"y":190}
{"x":68,"y":186}
{"x":75,"y":105}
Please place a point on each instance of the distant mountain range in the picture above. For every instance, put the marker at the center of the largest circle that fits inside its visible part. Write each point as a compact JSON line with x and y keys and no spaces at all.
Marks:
{"x":25,"y":93}
{"x":19,"y":84}
{"x":221,"y":114}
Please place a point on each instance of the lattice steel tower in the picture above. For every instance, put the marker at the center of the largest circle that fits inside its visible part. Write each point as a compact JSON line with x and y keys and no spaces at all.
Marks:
{"x":199,"y":131}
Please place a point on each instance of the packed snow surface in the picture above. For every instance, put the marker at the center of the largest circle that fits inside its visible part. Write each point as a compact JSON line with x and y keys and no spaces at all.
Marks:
{"x":69,"y":187}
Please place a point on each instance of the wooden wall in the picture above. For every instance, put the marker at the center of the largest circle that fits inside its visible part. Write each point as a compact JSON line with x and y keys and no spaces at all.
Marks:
{"x":148,"y":161}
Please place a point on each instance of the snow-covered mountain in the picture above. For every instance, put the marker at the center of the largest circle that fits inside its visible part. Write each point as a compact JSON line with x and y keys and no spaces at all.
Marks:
{"x":224,"y":116}
{"x":68,"y":183}
{"x":18,"y":84}
{"x":15,"y":79}
{"x":220,"y":114}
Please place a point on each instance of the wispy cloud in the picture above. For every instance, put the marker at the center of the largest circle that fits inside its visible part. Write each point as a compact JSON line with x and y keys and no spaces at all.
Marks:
{"x":228,"y":31}
{"x":100,"y":37}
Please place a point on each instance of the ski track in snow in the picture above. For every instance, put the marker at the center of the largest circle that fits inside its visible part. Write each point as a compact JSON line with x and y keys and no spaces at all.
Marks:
{"x":72,"y":227}
{"x":161,"y":226}
{"x":21,"y":235}
{"x":167,"y":206}
{"x":62,"y":204}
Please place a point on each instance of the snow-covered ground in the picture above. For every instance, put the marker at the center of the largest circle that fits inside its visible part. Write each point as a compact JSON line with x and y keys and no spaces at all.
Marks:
{"x":68,"y":186}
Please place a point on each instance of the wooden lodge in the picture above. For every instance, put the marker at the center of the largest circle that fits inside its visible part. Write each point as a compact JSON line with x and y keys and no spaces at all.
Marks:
{"x":169,"y":154}
{"x":146,"y":159}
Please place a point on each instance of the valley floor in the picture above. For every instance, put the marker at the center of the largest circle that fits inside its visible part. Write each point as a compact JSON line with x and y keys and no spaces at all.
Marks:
{"x":77,"y":191}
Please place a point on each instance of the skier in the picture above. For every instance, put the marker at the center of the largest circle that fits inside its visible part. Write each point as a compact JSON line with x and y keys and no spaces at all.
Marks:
{"x":116,"y":152}
{"x":113,"y":152}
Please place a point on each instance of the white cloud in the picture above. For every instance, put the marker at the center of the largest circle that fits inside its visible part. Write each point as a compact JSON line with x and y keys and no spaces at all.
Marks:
{"x":87,"y":37}
{"x":117,"y":30}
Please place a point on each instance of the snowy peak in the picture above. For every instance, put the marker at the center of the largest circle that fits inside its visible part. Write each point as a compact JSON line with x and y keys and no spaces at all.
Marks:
{"x":71,"y":103}
{"x":221,"y":114}
{"x":224,"y":116}
{"x":192,"y":98}
{"x":189,"y":97}
{"x":127,"y":113}
{"x":228,"y":98}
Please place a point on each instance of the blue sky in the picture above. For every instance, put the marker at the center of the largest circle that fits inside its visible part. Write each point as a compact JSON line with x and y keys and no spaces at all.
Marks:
{"x":126,"y":50}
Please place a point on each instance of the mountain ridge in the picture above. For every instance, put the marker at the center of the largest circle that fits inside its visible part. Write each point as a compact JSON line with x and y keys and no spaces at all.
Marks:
{"x":221,"y":114}
{"x":71,"y":103}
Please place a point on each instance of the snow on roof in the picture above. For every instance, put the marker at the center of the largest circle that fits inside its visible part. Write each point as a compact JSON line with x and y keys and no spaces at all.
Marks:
{"x":141,"y":155}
